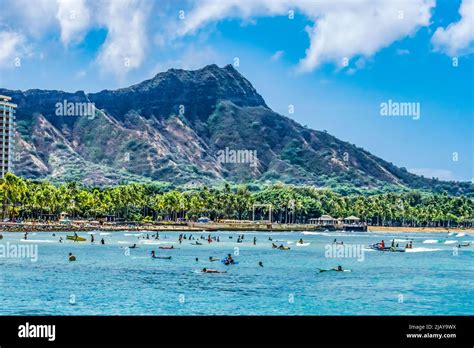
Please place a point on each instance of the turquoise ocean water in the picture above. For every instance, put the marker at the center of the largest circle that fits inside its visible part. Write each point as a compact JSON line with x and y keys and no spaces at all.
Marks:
{"x":434,"y":278}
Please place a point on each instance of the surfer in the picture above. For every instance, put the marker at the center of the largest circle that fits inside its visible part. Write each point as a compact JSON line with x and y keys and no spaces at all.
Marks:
{"x":229,"y":260}
{"x":338,"y":269}
{"x":301,"y":241}
{"x":205,"y":270}
{"x":260,"y":263}
{"x":212,"y":259}
{"x":102,"y":241}
{"x":134,"y":246}
{"x":72,"y":257}
{"x":254,"y":240}
{"x":92,"y":238}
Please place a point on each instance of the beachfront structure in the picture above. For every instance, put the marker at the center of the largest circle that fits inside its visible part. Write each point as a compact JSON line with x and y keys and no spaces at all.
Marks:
{"x":353,"y":223}
{"x":7,"y":134}
{"x":324,"y":220}
{"x":351,"y":220}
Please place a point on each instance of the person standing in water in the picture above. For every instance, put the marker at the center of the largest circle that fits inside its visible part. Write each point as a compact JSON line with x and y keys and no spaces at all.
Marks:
{"x":102,"y":241}
{"x":92,"y":238}
{"x":254,"y":240}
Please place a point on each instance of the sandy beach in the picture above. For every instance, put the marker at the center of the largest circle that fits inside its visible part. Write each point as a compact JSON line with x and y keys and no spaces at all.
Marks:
{"x":208,"y":227}
{"x":418,"y":229}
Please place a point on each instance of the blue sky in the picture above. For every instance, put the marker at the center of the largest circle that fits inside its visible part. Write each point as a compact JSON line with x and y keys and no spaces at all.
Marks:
{"x":396,"y":50}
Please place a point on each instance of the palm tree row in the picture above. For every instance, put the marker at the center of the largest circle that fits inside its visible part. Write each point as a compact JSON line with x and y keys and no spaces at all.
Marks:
{"x":33,"y":200}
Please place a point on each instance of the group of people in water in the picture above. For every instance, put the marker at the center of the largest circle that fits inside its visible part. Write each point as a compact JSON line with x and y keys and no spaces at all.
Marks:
{"x":209,"y":238}
{"x":381,"y":245}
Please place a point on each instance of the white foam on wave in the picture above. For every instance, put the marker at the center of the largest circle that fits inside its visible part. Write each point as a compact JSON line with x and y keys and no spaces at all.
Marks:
{"x":155,"y":242}
{"x":430,"y":241}
{"x":302,"y":244}
{"x":37,"y":241}
{"x":420,"y":250}
{"x":104,"y":233}
{"x":461,"y":235}
{"x":450,"y":242}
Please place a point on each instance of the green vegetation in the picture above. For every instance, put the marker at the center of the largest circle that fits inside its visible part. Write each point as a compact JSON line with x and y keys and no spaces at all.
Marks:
{"x":26,"y":199}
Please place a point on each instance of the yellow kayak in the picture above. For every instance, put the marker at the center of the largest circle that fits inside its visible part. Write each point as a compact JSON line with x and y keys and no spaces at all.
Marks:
{"x":76,"y":239}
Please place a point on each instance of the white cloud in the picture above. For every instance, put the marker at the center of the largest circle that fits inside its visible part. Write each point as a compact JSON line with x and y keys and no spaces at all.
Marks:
{"x":11,"y":46}
{"x":125,"y":45}
{"x":457,"y":38}
{"x":441,"y":174}
{"x":277,"y":55}
{"x":359,"y":29}
{"x":74,"y":19}
{"x":339,"y":30}
{"x":33,"y":18}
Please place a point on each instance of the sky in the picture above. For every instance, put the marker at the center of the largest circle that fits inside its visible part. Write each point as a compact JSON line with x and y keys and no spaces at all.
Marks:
{"x":330,"y":65}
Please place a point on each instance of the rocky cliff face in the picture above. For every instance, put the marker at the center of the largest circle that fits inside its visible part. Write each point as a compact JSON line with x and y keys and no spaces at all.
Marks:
{"x":185,"y":127}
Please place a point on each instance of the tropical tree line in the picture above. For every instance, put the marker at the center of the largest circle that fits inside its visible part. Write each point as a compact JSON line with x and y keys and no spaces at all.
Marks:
{"x":23,"y":200}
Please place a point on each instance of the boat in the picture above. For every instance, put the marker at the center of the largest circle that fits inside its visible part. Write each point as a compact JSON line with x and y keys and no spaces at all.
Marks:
{"x":377,"y":247}
{"x":76,"y":238}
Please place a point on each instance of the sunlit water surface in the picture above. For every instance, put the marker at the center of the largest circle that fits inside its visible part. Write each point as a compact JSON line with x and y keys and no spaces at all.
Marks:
{"x":432,"y":279}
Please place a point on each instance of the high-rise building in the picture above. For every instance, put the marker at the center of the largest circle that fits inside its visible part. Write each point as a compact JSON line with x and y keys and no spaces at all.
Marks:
{"x":7,"y":134}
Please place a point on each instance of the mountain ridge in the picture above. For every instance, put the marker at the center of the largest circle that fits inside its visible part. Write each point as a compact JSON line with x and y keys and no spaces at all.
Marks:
{"x":171,"y":127}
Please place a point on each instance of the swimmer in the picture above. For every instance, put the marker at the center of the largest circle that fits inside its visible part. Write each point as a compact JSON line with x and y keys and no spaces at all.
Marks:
{"x":72,"y":257}
{"x":205,"y":270}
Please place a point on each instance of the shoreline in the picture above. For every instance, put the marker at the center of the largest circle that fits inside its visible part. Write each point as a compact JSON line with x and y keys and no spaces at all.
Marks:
{"x":418,"y":229}
{"x":214,"y":227}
